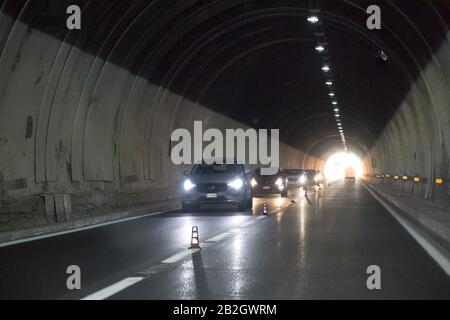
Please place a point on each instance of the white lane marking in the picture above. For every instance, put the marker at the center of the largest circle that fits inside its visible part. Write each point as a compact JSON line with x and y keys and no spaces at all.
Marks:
{"x":218,"y":237}
{"x":113,"y":289}
{"x":180,"y":256}
{"x":127,"y":282}
{"x":439,"y":255}
{"x":251,"y":222}
{"x":183,"y":254}
{"x":55,"y":234}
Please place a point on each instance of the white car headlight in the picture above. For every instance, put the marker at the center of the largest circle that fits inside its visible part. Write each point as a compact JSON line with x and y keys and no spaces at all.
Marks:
{"x":188,"y":185}
{"x":253,"y":182}
{"x":279,"y":182}
{"x":302,"y":179}
{"x":236,"y":183}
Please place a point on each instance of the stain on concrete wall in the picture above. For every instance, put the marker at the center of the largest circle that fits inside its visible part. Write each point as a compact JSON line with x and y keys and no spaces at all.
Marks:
{"x":93,"y":131}
{"x":29,"y":130}
{"x":414,"y":142}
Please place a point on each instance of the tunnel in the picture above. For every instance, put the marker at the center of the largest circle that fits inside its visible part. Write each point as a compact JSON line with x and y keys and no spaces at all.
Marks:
{"x":86,"y":114}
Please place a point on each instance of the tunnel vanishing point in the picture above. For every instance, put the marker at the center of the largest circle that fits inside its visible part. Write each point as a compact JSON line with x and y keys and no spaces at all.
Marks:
{"x":86,"y":115}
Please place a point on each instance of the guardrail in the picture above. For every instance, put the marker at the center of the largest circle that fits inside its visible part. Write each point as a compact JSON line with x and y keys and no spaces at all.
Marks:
{"x":383,"y":177}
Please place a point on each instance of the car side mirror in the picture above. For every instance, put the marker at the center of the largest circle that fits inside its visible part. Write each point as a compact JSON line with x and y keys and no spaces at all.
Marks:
{"x":247,"y":172}
{"x":186,"y":173}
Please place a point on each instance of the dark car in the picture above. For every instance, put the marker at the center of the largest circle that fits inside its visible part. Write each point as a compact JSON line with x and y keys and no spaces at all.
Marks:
{"x":268,"y":184}
{"x":311,"y":178}
{"x":217,"y":184}
{"x":294,"y":177}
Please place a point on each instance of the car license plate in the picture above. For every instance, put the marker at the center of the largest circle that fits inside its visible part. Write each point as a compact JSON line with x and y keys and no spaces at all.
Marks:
{"x":211,"y":195}
{"x":266,"y":187}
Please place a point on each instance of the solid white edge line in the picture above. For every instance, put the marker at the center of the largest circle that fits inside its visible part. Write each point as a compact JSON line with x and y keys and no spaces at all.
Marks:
{"x":59,"y":233}
{"x":427,"y":244}
{"x":113,"y":289}
{"x":98,"y":225}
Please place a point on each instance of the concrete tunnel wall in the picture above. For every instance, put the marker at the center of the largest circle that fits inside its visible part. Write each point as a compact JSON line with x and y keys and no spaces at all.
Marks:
{"x":80,"y":136}
{"x":416,"y":140}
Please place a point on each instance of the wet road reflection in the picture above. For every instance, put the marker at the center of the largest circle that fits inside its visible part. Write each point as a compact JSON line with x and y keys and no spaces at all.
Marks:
{"x":317,"y":247}
{"x":308,"y":247}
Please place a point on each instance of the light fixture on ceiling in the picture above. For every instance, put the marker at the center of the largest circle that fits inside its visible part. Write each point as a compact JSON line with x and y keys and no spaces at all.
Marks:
{"x":326,"y":68}
{"x":383,"y":55}
{"x":320,"y":48}
{"x":313,"y":19}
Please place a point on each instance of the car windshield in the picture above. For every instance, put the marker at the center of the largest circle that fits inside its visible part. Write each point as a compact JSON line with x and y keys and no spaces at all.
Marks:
{"x":257,"y":172}
{"x":310,"y":173}
{"x":293,"y":172}
{"x":215,"y":168}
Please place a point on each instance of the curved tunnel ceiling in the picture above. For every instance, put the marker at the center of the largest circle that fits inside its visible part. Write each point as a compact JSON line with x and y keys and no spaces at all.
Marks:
{"x":254,"y":61}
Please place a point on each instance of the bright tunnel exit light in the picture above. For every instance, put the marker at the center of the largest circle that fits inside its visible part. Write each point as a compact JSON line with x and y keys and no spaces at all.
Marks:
{"x":337,"y":164}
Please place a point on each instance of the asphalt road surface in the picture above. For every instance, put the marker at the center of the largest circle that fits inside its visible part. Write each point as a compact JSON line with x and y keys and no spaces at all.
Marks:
{"x":318,"y":247}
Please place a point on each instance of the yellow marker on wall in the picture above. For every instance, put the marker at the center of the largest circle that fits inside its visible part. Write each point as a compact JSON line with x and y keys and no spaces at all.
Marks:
{"x":439,"y":181}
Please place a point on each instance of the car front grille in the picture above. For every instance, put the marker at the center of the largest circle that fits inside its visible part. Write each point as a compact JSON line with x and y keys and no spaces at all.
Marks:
{"x":211,"y":187}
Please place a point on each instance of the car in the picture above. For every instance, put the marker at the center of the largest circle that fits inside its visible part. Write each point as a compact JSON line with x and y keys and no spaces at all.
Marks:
{"x":319,"y":177}
{"x":311,"y":178}
{"x":216,"y":183}
{"x":268,"y":184}
{"x":294,"y":177}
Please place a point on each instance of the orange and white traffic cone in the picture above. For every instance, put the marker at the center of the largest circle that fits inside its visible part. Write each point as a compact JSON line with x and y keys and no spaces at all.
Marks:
{"x":195,"y":242}
{"x":265,"y":210}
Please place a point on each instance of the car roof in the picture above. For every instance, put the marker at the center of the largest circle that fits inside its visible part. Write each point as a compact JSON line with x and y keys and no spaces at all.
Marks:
{"x":258,"y":169}
{"x":219,"y":161}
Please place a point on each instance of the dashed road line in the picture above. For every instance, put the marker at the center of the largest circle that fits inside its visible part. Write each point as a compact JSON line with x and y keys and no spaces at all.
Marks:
{"x":114,"y":288}
{"x":177,"y":257}
{"x":218,"y":237}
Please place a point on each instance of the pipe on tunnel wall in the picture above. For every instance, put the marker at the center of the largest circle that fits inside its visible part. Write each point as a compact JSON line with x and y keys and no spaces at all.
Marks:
{"x":416,"y":140}
{"x":81,"y":136}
